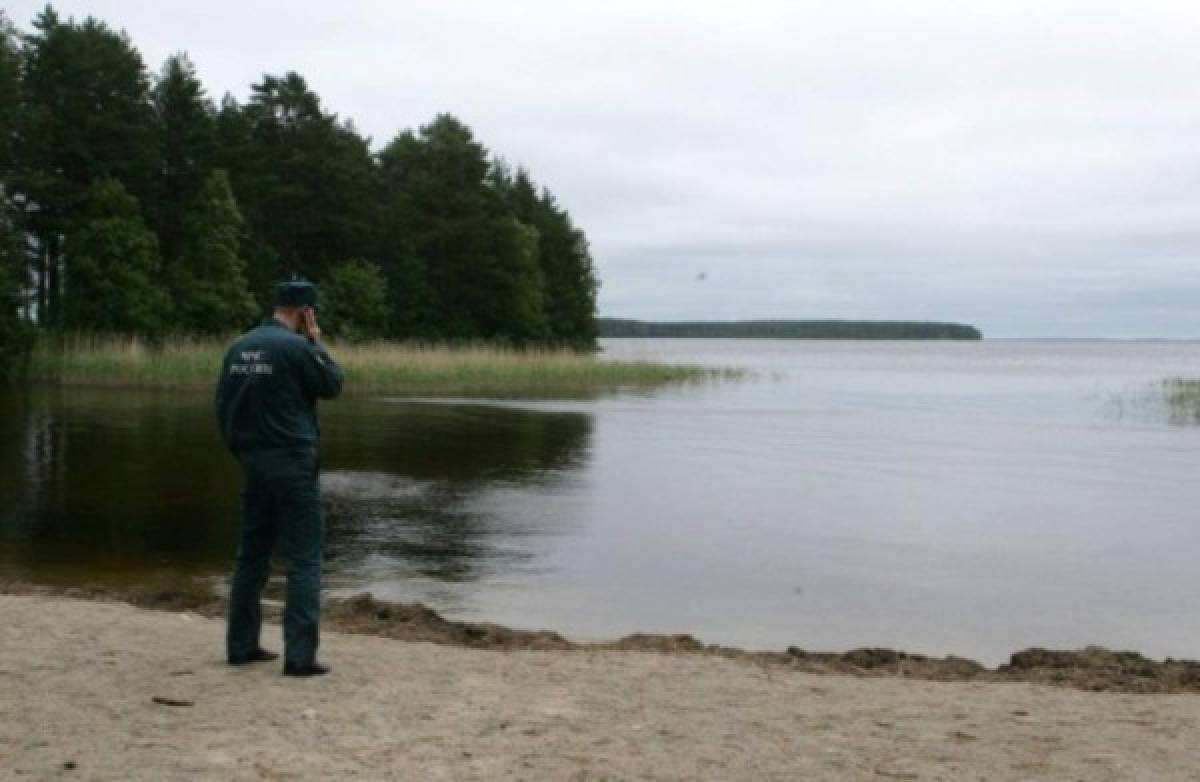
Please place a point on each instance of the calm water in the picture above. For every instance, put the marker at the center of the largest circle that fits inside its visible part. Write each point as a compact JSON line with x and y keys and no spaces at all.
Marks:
{"x":968,"y":498}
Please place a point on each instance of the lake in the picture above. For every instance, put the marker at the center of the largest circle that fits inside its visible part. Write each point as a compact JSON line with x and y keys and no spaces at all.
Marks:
{"x":940,"y":497}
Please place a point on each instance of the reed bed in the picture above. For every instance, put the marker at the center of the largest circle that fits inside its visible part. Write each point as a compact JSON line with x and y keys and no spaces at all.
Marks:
{"x":1183,"y":397}
{"x":371,"y":368}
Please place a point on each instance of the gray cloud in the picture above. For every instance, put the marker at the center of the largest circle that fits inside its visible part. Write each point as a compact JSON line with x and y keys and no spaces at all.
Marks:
{"x":1026,"y":166}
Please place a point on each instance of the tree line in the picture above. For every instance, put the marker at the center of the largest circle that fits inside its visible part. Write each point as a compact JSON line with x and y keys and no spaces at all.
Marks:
{"x":789,"y":329}
{"x":133,"y":203}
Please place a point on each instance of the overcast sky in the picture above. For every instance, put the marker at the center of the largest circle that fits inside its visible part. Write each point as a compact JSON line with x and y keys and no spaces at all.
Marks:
{"x":1029,"y":167}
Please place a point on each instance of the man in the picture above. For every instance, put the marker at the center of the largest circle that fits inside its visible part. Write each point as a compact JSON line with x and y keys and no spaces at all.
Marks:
{"x":267,"y":395}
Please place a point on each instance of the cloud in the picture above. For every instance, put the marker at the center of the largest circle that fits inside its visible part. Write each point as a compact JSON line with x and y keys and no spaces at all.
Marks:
{"x":1028,"y":167}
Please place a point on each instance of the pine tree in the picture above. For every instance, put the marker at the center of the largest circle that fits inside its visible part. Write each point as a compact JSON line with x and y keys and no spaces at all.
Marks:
{"x":354,"y":301}
{"x":514,"y":310}
{"x":478,"y":263}
{"x":14,"y":332}
{"x":113,"y":285}
{"x":208,"y":281}
{"x":434,"y":183}
{"x":248,"y":175}
{"x":186,"y":128}
{"x":567,"y":274}
{"x":308,"y":192}
{"x":87,"y":115}
{"x":571,"y":283}
{"x":11,"y":107}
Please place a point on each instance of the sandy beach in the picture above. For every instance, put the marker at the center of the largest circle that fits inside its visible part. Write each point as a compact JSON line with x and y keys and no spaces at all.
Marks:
{"x":98,"y":690}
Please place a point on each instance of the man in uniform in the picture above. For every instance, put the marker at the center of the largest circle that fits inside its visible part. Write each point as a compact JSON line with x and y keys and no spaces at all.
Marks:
{"x":266,"y":403}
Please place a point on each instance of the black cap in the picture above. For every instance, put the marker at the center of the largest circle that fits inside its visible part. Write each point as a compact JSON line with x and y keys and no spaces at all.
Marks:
{"x":296,"y":293}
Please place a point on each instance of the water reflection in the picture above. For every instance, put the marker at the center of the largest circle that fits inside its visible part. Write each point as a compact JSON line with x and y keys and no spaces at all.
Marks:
{"x":126,"y":487}
{"x":102,"y":483}
{"x":461,"y":444}
{"x":422,"y":495}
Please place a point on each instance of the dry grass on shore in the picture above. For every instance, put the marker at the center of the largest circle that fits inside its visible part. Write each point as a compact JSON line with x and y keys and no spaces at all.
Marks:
{"x":371,"y":368}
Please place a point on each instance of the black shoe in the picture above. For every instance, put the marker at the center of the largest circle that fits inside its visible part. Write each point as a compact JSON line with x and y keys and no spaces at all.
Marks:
{"x":312,"y":669}
{"x":257,"y":656}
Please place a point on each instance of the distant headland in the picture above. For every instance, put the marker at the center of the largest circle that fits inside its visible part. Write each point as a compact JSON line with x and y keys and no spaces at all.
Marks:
{"x":788,"y":329}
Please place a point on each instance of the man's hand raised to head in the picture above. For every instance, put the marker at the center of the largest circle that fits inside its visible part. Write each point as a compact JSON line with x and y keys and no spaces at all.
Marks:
{"x":311,"y":329}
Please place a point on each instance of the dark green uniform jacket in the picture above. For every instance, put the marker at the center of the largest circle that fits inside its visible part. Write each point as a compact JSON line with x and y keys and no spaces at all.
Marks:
{"x":270,"y":382}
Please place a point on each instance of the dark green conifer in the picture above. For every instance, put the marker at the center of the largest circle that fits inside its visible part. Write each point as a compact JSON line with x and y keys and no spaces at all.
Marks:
{"x":115,"y":280}
{"x":354,"y":301}
{"x":186,"y":129}
{"x":207,"y":280}
{"x":87,"y":116}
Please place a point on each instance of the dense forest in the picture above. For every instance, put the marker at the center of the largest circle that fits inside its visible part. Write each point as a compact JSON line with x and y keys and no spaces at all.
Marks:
{"x":132,"y":203}
{"x":790,"y":329}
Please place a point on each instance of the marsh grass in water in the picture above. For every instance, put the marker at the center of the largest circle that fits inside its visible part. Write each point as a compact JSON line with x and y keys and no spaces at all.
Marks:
{"x":371,"y":368}
{"x":1183,"y":398}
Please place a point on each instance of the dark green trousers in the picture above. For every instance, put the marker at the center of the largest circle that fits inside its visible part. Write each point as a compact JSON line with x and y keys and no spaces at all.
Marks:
{"x":281,"y":504}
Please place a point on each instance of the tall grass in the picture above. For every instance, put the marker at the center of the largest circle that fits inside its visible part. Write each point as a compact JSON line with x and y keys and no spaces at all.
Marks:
{"x":371,"y":368}
{"x":1183,"y":398}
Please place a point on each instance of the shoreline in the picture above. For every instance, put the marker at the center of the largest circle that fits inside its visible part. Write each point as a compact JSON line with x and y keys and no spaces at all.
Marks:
{"x":103,"y":690}
{"x":1093,"y":669}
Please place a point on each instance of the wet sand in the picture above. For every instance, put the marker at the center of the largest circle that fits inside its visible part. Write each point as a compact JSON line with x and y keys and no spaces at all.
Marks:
{"x":1096,"y":669}
{"x":101,"y":690}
